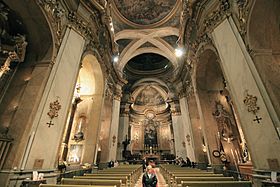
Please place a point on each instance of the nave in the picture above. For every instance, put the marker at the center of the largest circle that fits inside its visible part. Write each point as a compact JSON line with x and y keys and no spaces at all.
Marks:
{"x":167,"y":175}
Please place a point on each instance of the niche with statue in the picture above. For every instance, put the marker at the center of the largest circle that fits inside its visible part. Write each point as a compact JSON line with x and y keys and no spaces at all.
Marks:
{"x":79,"y":135}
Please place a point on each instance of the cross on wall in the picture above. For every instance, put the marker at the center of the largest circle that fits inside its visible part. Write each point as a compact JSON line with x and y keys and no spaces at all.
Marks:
{"x":258,"y":119}
{"x":50,"y":123}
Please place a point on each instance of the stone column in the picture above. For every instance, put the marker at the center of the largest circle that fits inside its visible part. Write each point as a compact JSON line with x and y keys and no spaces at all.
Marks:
{"x":44,"y":140}
{"x":123,"y":133}
{"x":188,"y":134}
{"x":179,"y":135}
{"x":113,"y":135}
{"x":244,"y":81}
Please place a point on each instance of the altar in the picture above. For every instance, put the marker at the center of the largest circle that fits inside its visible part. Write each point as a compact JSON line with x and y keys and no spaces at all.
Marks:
{"x":152,"y":157}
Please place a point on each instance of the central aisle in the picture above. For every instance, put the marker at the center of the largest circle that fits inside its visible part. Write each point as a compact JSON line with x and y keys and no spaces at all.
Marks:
{"x":161,"y":181}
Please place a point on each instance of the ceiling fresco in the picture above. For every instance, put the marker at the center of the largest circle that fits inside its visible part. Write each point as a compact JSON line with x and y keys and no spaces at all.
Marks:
{"x":149,"y":96}
{"x":145,"y":12}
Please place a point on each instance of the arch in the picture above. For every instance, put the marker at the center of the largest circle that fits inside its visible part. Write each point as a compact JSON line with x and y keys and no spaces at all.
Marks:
{"x":170,"y":56}
{"x":90,"y":88}
{"x":133,"y":50}
{"x":264,"y":41}
{"x":215,"y":110}
{"x":39,"y":30}
{"x":208,"y":71}
{"x":91,"y":72}
{"x":133,"y":34}
{"x":141,"y":37}
{"x":260,"y":36}
{"x":160,"y":82}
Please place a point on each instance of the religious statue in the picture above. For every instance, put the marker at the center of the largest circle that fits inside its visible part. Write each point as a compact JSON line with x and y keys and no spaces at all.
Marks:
{"x":224,"y":122}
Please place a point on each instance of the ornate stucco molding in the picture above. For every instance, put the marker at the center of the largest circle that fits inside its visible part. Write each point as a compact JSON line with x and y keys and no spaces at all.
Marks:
{"x":18,"y":55}
{"x":217,"y":16}
{"x":55,"y":13}
{"x":53,"y":112}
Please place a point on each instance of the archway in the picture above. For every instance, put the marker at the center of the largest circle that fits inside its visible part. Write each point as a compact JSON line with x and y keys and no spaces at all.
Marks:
{"x":264,"y":42}
{"x":149,"y":124}
{"x":82,"y":129}
{"x":27,"y":78}
{"x":223,"y":132}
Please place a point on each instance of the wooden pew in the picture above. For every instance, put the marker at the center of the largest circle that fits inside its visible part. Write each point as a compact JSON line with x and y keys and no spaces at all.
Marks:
{"x":178,"y":180}
{"x":124,"y":179}
{"x":117,"y":183}
{"x":129,"y":176}
{"x":134,"y":170}
{"x":62,"y":185}
{"x":172,"y":178}
{"x":216,"y":184}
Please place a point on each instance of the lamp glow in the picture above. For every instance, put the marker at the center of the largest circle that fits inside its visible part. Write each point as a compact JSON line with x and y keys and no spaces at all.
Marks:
{"x":116,"y":59}
{"x":179,"y":52}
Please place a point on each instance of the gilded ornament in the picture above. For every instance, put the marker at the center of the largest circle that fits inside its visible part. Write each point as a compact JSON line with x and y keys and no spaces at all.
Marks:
{"x":53,"y":112}
{"x":251,"y":102}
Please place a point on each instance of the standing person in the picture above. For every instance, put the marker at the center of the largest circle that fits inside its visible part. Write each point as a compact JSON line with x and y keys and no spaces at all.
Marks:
{"x":149,"y":178}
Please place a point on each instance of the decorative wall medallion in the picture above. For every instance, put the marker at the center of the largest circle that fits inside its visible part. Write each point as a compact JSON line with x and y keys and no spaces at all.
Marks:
{"x":53,"y":112}
{"x":188,"y":139}
{"x":251,"y":102}
{"x":114,"y":138}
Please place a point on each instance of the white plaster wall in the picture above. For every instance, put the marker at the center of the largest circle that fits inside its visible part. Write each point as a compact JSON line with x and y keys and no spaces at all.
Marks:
{"x":236,"y":63}
{"x":44,"y":141}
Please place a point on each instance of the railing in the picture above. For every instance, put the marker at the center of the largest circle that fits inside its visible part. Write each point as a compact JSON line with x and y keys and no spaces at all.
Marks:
{"x":5,"y":144}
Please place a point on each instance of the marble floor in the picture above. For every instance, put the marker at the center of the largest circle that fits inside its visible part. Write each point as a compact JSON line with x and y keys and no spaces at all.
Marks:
{"x":161,"y":181}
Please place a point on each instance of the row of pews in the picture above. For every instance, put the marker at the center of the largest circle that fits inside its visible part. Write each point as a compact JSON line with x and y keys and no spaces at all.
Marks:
{"x":191,"y":177}
{"x":121,"y":176}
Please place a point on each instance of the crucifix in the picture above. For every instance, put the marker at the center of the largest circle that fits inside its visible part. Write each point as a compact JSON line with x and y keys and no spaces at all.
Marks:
{"x":50,"y":123}
{"x":257,"y":119}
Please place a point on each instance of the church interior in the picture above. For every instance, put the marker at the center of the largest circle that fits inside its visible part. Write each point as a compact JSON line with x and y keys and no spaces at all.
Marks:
{"x":86,"y":82}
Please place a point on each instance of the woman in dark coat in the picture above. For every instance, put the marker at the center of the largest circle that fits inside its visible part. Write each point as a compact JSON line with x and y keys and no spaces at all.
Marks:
{"x":149,"y":178}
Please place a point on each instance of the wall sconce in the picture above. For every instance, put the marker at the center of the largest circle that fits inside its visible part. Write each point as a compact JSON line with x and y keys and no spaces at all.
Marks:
{"x":114,"y":140}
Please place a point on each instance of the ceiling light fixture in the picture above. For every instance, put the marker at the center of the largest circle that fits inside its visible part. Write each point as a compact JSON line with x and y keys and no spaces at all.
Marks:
{"x":179,"y":52}
{"x":116,"y":58}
